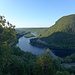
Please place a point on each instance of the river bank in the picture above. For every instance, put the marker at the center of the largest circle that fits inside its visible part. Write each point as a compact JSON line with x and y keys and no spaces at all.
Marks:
{"x":21,"y":34}
{"x":61,"y":52}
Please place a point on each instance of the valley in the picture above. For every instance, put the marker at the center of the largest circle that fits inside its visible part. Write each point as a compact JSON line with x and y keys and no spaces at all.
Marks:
{"x":38,"y":50}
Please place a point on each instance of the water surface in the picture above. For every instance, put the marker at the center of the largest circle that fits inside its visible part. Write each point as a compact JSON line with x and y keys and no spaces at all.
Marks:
{"x":25,"y":46}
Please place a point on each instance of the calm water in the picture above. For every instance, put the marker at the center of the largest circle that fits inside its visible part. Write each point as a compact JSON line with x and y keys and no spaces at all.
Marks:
{"x":25,"y":46}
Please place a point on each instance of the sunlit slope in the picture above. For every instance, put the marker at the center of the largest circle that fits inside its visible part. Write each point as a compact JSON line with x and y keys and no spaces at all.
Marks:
{"x":64,"y":24}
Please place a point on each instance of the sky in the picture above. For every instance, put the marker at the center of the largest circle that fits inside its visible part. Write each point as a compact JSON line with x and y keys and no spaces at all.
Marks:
{"x":35,"y":13}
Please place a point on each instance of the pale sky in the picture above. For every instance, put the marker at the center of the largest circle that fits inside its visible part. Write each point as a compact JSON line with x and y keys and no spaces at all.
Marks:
{"x":35,"y":13}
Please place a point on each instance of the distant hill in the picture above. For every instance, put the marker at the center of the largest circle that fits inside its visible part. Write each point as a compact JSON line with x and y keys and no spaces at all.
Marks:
{"x":38,"y":31}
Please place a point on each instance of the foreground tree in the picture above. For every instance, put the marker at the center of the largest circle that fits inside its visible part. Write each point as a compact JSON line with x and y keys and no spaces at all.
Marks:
{"x":44,"y":65}
{"x":6,"y":31}
{"x":6,"y":37}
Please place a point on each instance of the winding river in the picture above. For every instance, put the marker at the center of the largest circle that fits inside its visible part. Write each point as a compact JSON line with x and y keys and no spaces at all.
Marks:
{"x":25,"y":46}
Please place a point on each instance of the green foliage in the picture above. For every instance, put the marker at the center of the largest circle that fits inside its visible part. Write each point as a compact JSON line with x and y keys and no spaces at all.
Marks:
{"x":17,"y":62}
{"x":47,"y":65}
{"x":62,"y":73}
{"x":62,"y":33}
{"x":44,"y":66}
{"x":17,"y":66}
{"x":6,"y":29}
{"x":70,"y":59}
{"x":64,"y":24}
{"x":5,"y":52}
{"x":23,"y":61}
{"x":29,"y":35}
{"x":20,"y":33}
{"x":6,"y":37}
{"x":14,"y":61}
{"x":38,"y":31}
{"x":71,"y":70}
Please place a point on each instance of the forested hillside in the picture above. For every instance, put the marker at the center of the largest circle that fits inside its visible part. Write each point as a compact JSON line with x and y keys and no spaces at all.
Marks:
{"x":62,"y":34}
{"x":64,"y":24}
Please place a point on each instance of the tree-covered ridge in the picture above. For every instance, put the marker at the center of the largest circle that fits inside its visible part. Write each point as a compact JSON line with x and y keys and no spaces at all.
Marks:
{"x":29,"y":35}
{"x":64,"y":24}
{"x":61,"y":34}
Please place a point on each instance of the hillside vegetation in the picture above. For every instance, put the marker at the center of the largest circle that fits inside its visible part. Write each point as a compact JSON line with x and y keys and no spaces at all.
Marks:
{"x":29,"y":35}
{"x":62,"y":34}
{"x":64,"y":24}
{"x":38,"y":31}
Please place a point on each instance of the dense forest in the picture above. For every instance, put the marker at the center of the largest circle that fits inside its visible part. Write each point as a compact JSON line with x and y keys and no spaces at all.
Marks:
{"x":14,"y":61}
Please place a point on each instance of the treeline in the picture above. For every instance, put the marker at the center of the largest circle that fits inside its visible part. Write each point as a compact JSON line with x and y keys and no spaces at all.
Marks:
{"x":29,"y":35}
{"x":38,"y":31}
{"x":20,"y":33}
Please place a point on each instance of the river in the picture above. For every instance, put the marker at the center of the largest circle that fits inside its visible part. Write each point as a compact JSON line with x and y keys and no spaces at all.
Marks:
{"x":25,"y":46}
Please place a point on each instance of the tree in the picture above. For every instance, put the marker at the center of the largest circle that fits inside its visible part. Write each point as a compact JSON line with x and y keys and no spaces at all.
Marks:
{"x":44,"y":65}
{"x":6,"y":37}
{"x":6,"y":31}
{"x":62,"y":73}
